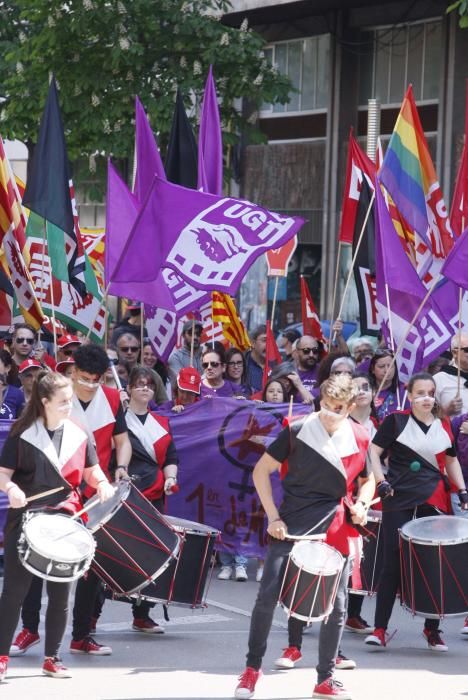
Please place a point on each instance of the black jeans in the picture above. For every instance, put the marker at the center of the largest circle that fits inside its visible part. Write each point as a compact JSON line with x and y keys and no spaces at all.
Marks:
{"x":16,"y":584}
{"x":267,"y":598}
{"x":31,"y":610}
{"x":389,"y":581}
{"x":87,"y":590}
{"x":355,"y":604}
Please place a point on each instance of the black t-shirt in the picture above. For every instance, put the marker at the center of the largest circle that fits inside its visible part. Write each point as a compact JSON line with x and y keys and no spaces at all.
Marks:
{"x":171,"y":452}
{"x":120,"y":426}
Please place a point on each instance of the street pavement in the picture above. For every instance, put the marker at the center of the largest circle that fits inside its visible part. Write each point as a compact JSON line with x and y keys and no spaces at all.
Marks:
{"x":202,"y":652}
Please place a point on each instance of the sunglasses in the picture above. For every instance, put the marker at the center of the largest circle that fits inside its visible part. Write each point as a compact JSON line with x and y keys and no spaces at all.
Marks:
{"x":236,"y":364}
{"x":307,"y":351}
{"x":144,"y":385}
{"x":205,"y":365}
{"x":129,"y":348}
{"x":29,"y":341}
{"x":455,"y":350}
{"x":364,"y":387}
{"x":68,"y":353}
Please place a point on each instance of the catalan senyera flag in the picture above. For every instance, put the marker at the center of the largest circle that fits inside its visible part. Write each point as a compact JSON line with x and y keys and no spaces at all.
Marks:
{"x":225,"y":312}
{"x":408,"y":174}
{"x":94,"y":244}
{"x":12,"y":241}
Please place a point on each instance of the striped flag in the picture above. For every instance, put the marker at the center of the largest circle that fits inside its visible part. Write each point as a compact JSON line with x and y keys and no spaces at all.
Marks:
{"x":12,"y":239}
{"x":225,"y":312}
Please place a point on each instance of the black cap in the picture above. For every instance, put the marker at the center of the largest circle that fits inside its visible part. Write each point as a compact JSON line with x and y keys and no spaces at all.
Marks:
{"x":292,"y":334}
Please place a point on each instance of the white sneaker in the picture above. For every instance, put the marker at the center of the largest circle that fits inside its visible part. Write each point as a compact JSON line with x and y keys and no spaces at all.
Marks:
{"x":259,"y":574}
{"x":225,"y":573}
{"x":241,"y":573}
{"x":464,"y":629}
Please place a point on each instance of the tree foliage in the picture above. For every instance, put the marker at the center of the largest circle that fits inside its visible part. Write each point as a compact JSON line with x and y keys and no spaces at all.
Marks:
{"x":461,"y":7}
{"x":104,"y":52}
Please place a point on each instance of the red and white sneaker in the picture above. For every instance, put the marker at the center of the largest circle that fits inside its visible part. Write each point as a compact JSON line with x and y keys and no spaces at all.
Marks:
{"x":434,"y":640}
{"x":289,"y":658}
{"x":3,"y":667}
{"x":357,"y":625}
{"x":378,"y":638}
{"x":88,"y":645}
{"x":54,"y":668}
{"x":343,"y":663}
{"x":247,"y":682}
{"x":464,"y":629}
{"x":24,"y":641}
{"x":147,"y":625}
{"x":331,"y":689}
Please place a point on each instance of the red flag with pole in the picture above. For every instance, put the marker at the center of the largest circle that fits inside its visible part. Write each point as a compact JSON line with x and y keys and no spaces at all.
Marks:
{"x":272,"y":354}
{"x":310,"y":319}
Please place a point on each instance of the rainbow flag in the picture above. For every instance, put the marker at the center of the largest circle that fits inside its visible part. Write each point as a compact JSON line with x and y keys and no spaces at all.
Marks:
{"x":408,"y":174}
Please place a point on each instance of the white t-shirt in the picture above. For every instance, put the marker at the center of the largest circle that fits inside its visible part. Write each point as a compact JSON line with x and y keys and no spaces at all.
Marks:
{"x":447,"y":389}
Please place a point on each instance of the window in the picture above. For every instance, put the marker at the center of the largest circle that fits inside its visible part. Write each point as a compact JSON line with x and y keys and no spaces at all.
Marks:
{"x":306,"y":63}
{"x":398,"y":56}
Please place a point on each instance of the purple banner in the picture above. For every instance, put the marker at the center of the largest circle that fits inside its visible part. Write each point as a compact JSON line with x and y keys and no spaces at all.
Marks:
{"x":5,"y":426}
{"x":218,"y":442}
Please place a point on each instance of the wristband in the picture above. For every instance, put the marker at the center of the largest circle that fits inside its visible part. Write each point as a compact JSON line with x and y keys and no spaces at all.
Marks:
{"x":12,"y":486}
{"x":276,"y":520}
{"x":122,"y":466}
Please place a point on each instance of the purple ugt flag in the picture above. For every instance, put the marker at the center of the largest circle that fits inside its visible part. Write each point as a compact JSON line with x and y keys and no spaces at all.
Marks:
{"x":210,"y":241}
{"x":121,"y":213}
{"x":210,"y":142}
{"x":455,"y":267}
{"x":148,"y":160}
{"x":430,"y":334}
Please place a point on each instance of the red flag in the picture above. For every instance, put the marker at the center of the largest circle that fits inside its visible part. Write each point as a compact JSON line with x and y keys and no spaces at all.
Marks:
{"x":459,"y":210}
{"x":358,"y":166}
{"x":272,"y":354}
{"x":310,"y":319}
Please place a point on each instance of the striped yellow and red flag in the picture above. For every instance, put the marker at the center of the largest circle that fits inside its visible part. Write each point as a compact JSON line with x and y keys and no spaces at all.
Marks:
{"x":225,"y":312}
{"x":12,"y":244}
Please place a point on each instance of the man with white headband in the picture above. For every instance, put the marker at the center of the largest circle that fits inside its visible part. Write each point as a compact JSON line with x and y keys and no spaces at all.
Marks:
{"x":319,"y":457}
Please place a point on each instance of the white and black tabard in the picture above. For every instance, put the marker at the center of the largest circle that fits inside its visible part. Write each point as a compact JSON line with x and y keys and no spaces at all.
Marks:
{"x":318,"y":471}
{"x":416,"y":460}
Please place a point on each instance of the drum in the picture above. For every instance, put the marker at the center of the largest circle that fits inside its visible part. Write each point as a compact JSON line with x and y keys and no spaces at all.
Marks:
{"x":434,"y":573}
{"x":135,"y":543}
{"x":311,"y":581}
{"x":185,"y":581}
{"x":55,"y":547}
{"x":365,"y":580}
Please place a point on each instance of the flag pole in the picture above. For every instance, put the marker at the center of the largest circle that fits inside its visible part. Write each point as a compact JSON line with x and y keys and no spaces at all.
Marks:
{"x":52,"y":301}
{"x":335,"y":289}
{"x":407,"y":332}
{"x":142,"y":331}
{"x":460,"y":300}
{"x":192,"y":341}
{"x":353,"y":261}
{"x":273,"y":306}
{"x":103,"y":300}
{"x":392,"y":339}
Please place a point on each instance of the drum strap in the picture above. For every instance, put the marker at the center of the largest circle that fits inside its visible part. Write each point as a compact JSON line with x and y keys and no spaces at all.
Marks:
{"x":320,"y":522}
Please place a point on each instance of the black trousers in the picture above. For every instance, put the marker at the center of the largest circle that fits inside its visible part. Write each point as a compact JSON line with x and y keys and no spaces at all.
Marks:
{"x":16,"y":584}
{"x":389,"y":581}
{"x":267,"y":598}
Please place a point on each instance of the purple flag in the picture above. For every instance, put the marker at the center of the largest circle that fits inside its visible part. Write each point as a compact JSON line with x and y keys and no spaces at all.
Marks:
{"x":210,"y":241}
{"x":121,"y":213}
{"x":148,"y":160}
{"x":219,"y":441}
{"x":456,"y":264}
{"x":210,"y":142}
{"x":431,"y":333}
{"x":5,"y":426}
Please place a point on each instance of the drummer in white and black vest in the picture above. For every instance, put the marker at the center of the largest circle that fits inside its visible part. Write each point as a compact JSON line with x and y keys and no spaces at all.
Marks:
{"x":44,"y":450}
{"x":320,"y":457}
{"x":421,"y":463}
{"x":153,"y":466}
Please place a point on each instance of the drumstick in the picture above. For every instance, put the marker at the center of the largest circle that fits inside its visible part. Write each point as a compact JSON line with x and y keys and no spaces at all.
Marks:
{"x":87,"y":507}
{"x":43,"y":494}
{"x":307,"y":537}
{"x":376,"y":500}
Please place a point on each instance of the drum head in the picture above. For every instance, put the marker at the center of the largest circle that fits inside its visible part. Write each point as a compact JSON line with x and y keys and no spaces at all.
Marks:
{"x":437,"y":529}
{"x":317,"y":557}
{"x":58,"y":537}
{"x":182,"y":525}
{"x":100,"y":514}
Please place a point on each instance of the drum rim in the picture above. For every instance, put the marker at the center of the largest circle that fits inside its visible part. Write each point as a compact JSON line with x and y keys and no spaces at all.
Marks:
{"x":433,"y":542}
{"x":431,"y":616}
{"x":60,"y":579}
{"x":124,"y":485}
{"x":46,"y":555}
{"x":210,"y":531}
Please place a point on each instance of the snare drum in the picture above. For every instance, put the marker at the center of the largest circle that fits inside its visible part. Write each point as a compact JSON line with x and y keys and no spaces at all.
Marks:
{"x":311,"y":581}
{"x":434,"y":571}
{"x":185,"y":581}
{"x":365,"y":580}
{"x":135,"y":543}
{"x":55,"y":547}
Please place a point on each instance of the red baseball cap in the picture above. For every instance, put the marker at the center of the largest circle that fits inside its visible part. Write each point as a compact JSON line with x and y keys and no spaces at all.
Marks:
{"x":27,"y":364}
{"x":189,"y":379}
{"x":62,"y":366}
{"x":68,"y":339}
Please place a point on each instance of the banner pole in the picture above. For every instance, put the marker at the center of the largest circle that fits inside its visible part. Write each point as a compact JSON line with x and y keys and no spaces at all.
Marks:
{"x":273,"y":306}
{"x":407,"y":332}
{"x":392,"y":339}
{"x":192,"y":341}
{"x":335,"y":290}
{"x":353,"y":261}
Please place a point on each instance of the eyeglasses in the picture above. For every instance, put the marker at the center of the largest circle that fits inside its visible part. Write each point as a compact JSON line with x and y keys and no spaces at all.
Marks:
{"x":67,"y":353}
{"x":235,"y":364}
{"x":337,"y":372}
{"x":130,"y":348}
{"x":144,"y":385}
{"x":364,"y":387}
{"x":307,"y":351}
{"x":455,"y":350}
{"x":29,"y":341}
{"x":205,"y":365}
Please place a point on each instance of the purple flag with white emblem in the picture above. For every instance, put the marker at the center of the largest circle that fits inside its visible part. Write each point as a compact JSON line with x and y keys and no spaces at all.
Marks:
{"x":210,"y":142}
{"x":210,"y":241}
{"x":455,"y":266}
{"x":431,"y":333}
{"x":148,"y":159}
